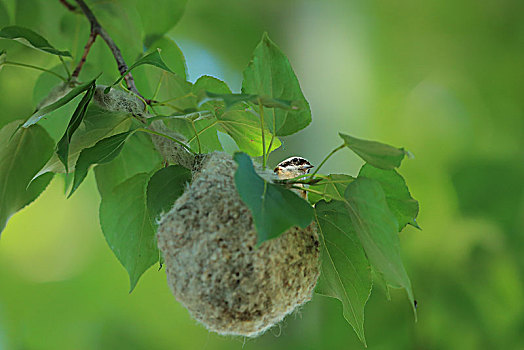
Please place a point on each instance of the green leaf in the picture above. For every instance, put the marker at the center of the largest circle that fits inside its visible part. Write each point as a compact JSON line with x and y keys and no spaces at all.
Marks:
{"x":103,"y":151}
{"x":62,"y":148}
{"x":22,"y":153}
{"x":232,"y":99}
{"x":28,"y":37}
{"x":207,"y":83}
{"x":345,"y":270}
{"x":171,"y":53}
{"x":377,"y":229}
{"x":332,"y":187}
{"x":127,"y":228}
{"x":274,"y":208}
{"x":98,"y":123}
{"x":39,"y":114}
{"x":4,"y":15}
{"x":3,"y":55}
{"x":244,"y":128}
{"x":152,"y":59}
{"x":138,"y":156}
{"x":399,"y":200}
{"x":48,"y":89}
{"x":206,"y":130}
{"x":163,"y":189}
{"x":375,"y":153}
{"x":270,"y":74}
{"x":159,"y":18}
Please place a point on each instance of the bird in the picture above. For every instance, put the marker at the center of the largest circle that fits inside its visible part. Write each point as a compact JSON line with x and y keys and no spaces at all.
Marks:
{"x":293,"y":167}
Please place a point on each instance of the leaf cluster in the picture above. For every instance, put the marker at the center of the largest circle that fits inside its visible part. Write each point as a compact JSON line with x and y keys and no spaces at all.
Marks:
{"x":71,"y":132}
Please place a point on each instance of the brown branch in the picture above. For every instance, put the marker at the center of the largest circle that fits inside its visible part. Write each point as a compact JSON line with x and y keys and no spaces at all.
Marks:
{"x":68,"y":5}
{"x":97,"y":29}
{"x":90,"y":41}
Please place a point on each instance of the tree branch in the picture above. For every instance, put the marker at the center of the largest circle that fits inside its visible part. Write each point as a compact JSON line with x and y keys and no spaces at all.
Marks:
{"x":97,"y":29}
{"x":90,"y":41}
{"x":68,"y":5}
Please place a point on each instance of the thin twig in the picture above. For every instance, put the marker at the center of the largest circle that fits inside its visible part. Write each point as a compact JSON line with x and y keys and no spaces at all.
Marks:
{"x":87,"y":47}
{"x":19,"y":64}
{"x":68,"y":5}
{"x":97,"y":29}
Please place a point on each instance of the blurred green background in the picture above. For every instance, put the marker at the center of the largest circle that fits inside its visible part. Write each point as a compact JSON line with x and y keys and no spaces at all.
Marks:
{"x":444,"y":79}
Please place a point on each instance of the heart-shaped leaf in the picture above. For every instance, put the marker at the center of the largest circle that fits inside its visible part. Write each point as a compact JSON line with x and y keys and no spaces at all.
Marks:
{"x":377,"y":228}
{"x":127,"y":228}
{"x":164,"y":187}
{"x":23,"y":151}
{"x":270,"y":74}
{"x":346,"y":274}
{"x":399,"y":200}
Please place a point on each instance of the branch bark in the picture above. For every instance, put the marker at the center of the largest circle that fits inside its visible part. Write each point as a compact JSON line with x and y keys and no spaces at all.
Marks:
{"x":97,"y":29}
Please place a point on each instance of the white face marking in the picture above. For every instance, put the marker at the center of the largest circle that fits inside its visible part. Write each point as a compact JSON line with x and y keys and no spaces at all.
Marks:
{"x":292,"y":167}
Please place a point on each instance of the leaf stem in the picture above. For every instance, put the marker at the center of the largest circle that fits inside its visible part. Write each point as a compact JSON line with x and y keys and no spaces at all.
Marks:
{"x":261,"y":111}
{"x":167,"y":137}
{"x":272,"y":136}
{"x":196,"y":135}
{"x":313,"y":191}
{"x":97,"y":28}
{"x":157,"y":88}
{"x":204,"y":129}
{"x":18,"y":64}
{"x":65,"y":67}
{"x":327,"y":157}
{"x":87,"y":47}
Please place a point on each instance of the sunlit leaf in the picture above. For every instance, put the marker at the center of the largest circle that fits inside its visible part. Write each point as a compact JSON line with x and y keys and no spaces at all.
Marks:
{"x":274,"y":208}
{"x":346,"y":273}
{"x":30,"y":38}
{"x":399,"y":200}
{"x":103,"y":151}
{"x":270,"y":74}
{"x":62,"y":148}
{"x":23,"y":151}
{"x":244,"y":128}
{"x":163,"y":189}
{"x":375,"y":153}
{"x":377,"y":229}
{"x":127,"y":228}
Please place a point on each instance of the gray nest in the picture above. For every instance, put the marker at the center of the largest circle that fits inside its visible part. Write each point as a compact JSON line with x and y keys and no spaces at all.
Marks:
{"x":213,"y":267}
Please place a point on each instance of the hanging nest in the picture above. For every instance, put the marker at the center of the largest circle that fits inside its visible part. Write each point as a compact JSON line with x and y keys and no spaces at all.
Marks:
{"x":213,"y":267}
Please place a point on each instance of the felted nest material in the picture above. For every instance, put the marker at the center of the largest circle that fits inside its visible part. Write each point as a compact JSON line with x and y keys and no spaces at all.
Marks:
{"x":213,"y":268}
